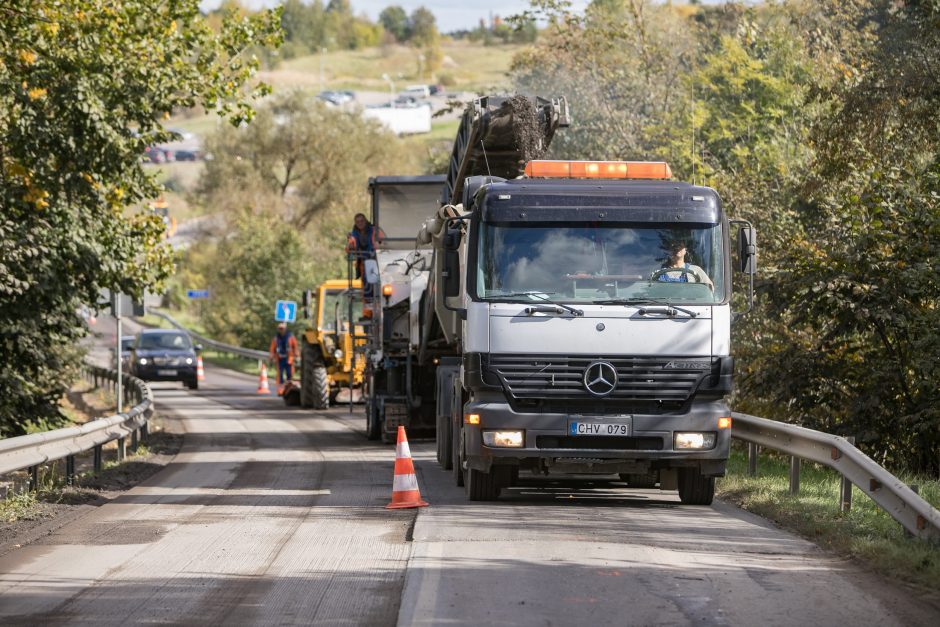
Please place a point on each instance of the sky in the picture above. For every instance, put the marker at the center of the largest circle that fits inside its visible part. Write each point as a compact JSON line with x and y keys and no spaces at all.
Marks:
{"x":451,"y":14}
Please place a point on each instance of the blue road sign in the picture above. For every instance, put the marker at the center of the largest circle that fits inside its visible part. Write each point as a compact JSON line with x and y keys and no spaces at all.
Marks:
{"x":197,"y":293}
{"x":285,"y":311}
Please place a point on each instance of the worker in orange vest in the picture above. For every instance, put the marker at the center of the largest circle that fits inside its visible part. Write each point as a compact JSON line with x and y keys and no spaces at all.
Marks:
{"x":361,"y":244}
{"x":284,"y":351}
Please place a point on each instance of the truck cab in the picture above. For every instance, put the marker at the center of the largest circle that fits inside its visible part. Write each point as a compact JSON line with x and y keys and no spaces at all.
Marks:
{"x":595,"y":309}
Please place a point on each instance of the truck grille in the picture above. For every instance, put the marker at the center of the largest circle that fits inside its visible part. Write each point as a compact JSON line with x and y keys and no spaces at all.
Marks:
{"x":559,"y":377}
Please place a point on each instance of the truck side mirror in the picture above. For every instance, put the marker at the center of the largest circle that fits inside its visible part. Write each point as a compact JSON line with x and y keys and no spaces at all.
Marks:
{"x":747,"y":249}
{"x":371,"y":267}
{"x":451,"y":270}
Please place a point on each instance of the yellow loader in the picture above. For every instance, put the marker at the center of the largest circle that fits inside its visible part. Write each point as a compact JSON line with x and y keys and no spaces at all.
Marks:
{"x":328,"y":359}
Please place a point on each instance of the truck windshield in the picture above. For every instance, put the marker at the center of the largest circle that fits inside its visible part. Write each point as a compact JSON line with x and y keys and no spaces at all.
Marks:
{"x":601,"y":262}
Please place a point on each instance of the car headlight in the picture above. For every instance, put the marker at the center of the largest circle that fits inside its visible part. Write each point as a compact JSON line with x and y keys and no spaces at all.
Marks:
{"x":189,"y":361}
{"x":506,"y":439}
{"x":142,"y":361}
{"x":694,"y":440}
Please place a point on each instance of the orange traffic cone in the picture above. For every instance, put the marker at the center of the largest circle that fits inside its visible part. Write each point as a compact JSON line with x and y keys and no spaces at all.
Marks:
{"x":263,"y":379}
{"x":405,"y":492}
{"x":200,"y":370}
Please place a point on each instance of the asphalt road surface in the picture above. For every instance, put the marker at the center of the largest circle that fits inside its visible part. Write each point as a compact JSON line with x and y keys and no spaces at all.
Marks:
{"x":272,"y":515}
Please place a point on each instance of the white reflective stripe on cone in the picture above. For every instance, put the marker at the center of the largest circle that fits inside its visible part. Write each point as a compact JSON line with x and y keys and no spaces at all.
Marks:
{"x":402,"y":450}
{"x":404,"y":483}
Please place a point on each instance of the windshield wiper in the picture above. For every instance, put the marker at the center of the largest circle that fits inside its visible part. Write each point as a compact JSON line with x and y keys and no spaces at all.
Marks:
{"x":543,"y":296}
{"x":662,"y":307}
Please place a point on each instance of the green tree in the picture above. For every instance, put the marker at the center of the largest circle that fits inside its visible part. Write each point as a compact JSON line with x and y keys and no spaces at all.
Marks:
{"x":262,"y":260}
{"x":395,"y":21}
{"x":621,"y":65}
{"x":84,"y":88}
{"x":300,"y":158}
{"x":856,"y":294}
{"x":425,"y":37}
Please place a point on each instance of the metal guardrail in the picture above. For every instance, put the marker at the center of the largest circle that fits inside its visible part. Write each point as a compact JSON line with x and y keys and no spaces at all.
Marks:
{"x":247,"y":353}
{"x":915,"y":514}
{"x":31,"y":451}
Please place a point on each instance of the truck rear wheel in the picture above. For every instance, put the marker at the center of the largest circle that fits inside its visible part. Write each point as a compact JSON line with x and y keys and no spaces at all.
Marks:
{"x":314,"y":381}
{"x":445,"y":448}
{"x":457,"y":459}
{"x":373,"y":419}
{"x":309,"y":359}
{"x":481,"y":486}
{"x":695,"y":489}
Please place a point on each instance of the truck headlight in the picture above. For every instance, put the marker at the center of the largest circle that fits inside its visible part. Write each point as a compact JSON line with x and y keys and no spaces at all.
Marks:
{"x":189,"y":361}
{"x":695,"y":440}
{"x":510,"y":439}
{"x":338,"y":353}
{"x":142,"y":361}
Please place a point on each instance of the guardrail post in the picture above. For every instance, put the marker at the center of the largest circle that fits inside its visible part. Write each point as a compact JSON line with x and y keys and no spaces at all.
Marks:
{"x":33,"y":478}
{"x":122,"y":449}
{"x":794,"y":474}
{"x":144,"y":431}
{"x":751,"y":459}
{"x":134,"y":440}
{"x":70,"y":469}
{"x":845,"y":490}
{"x":98,"y":458}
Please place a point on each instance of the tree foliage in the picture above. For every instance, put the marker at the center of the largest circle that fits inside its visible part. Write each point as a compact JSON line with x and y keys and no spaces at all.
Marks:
{"x":262,"y":260}
{"x":299,"y":157}
{"x":818,"y":121}
{"x":84,"y":88}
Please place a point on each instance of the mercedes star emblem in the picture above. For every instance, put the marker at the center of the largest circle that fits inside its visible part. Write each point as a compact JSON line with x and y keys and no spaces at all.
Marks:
{"x":600,"y":378}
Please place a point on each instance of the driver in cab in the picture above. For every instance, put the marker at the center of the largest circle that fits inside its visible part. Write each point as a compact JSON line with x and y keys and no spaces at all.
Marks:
{"x":677,"y":270}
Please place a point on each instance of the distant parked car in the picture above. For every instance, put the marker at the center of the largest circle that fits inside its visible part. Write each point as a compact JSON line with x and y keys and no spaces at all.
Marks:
{"x":417,"y":91}
{"x":337,"y":98}
{"x":164,"y":355}
{"x":186,"y":155}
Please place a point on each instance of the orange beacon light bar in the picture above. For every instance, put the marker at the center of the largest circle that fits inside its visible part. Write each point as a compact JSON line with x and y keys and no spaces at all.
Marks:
{"x":598,"y":169}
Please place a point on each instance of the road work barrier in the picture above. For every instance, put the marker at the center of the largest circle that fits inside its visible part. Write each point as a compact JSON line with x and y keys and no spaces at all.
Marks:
{"x":31,"y":451}
{"x":915,"y":514}
{"x":263,"y":387}
{"x":405,"y":491}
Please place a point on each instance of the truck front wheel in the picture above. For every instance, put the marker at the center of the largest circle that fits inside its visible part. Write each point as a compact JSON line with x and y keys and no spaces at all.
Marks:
{"x":694,"y":488}
{"x":481,"y":486}
{"x":314,"y":381}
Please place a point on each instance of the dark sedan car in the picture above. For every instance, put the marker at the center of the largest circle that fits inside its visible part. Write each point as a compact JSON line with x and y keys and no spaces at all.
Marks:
{"x":162,"y":355}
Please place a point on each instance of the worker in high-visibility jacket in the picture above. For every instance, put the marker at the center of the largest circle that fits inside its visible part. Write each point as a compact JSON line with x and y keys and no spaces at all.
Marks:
{"x":285,"y":352}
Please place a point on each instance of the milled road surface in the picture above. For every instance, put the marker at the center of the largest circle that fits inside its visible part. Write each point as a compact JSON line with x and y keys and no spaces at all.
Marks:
{"x":272,"y":515}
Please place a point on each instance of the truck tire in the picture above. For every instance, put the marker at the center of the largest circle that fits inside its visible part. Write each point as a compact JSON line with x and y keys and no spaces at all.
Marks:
{"x":481,"y":486}
{"x":310,"y":358}
{"x":640,"y":482}
{"x":445,"y":448}
{"x":373,"y":419}
{"x":695,"y":489}
{"x":457,"y":463}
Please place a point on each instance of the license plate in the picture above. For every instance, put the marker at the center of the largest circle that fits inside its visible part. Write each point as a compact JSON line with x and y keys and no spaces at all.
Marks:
{"x":599,"y":428}
{"x":166,"y":373}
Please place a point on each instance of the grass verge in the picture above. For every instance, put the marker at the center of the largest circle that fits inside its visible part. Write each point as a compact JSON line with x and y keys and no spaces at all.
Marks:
{"x":866,"y":532}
